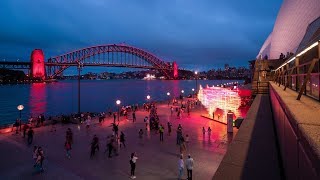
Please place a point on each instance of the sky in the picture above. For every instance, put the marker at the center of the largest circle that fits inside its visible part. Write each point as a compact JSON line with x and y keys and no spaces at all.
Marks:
{"x":197,"y":34}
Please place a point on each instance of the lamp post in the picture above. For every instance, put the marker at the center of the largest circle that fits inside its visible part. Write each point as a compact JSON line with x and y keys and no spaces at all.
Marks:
{"x":80,"y":66}
{"x":196,"y":74}
{"x":168,"y":94}
{"x":118,"y":102}
{"x":20,"y":108}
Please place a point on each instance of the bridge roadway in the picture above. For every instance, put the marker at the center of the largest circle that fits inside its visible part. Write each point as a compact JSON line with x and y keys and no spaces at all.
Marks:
{"x":157,"y":161}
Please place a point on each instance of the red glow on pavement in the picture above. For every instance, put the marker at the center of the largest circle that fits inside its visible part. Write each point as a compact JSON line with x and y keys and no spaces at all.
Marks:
{"x":37,"y":63}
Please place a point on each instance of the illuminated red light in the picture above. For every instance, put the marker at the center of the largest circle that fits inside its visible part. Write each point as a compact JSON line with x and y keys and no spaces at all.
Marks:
{"x":37,"y":64}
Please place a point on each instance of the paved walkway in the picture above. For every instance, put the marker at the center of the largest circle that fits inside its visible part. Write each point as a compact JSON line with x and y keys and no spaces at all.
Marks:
{"x":156,"y":160}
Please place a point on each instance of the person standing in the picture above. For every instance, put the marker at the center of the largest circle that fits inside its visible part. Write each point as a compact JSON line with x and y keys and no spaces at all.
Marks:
{"x":114,"y":118}
{"x":161,"y":130}
{"x":133,"y":161}
{"x":180,"y":167}
{"x":209,"y":132}
{"x":171,"y":109}
{"x":134,"y":116}
{"x":140,"y":133}
{"x":30,"y":136}
{"x":203,"y":131}
{"x":88,"y":122}
{"x":122,"y":140}
{"x":189,"y":166}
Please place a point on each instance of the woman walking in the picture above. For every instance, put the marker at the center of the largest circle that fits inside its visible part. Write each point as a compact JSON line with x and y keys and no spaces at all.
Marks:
{"x":133,"y":160}
{"x":67,"y":146}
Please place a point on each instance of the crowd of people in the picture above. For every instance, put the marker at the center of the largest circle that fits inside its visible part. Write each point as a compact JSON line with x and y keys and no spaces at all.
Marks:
{"x":116,"y":140}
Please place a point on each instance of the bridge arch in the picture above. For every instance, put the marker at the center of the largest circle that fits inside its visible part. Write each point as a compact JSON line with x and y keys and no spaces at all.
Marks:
{"x":85,"y":57}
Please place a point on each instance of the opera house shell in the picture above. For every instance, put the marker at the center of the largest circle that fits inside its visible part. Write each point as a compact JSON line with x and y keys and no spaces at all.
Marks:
{"x":297,"y":23}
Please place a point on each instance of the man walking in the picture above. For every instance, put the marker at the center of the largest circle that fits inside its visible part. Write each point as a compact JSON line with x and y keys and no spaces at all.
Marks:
{"x":189,"y":166}
{"x":180,"y":167}
{"x":30,"y":136}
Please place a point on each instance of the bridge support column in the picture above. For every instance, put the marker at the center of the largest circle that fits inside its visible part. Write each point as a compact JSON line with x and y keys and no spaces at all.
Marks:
{"x":37,"y":64}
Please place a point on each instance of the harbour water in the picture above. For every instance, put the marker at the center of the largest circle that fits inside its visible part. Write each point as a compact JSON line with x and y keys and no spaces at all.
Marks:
{"x":96,"y":95}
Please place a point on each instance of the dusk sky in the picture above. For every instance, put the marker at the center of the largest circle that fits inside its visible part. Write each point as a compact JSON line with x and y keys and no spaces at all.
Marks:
{"x":200,"y":34}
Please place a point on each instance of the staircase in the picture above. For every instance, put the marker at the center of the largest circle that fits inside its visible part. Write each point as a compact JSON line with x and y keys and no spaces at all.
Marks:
{"x":261,"y":77}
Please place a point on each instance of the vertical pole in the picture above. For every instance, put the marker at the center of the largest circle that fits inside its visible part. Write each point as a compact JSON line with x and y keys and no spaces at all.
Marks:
{"x":20,"y":121}
{"x":79,"y":113}
{"x":118,"y":112}
{"x":196,"y":83}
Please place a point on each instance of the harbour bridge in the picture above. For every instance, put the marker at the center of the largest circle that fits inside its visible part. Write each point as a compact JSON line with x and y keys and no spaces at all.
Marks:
{"x":110,"y":55}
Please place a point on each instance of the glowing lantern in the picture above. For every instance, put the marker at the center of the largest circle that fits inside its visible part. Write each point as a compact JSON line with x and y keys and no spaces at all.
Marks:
{"x":221,"y":98}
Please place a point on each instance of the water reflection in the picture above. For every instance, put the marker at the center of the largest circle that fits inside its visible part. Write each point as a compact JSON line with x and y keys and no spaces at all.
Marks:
{"x":37,"y":101}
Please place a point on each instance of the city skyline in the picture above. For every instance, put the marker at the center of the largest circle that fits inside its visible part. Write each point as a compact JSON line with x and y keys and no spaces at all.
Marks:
{"x":184,"y":31}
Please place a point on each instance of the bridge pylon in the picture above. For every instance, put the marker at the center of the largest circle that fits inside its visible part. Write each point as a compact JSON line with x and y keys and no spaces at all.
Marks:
{"x":38,"y":64}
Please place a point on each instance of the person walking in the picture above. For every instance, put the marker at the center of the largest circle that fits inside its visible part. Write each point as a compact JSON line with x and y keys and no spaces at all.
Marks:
{"x":30,"y":136}
{"x":180,"y":167}
{"x":189,"y":166}
{"x":35,"y":153}
{"x":67,"y":146}
{"x":25,"y":128}
{"x":161,"y":130}
{"x":169,"y":128}
{"x":69,"y":136}
{"x":182,"y":145}
{"x":133,"y":161}
{"x":209,"y":132}
{"x":41,"y":157}
{"x":94,"y":145}
{"x":110,"y":145}
{"x":122,"y":140}
{"x":203,"y":131}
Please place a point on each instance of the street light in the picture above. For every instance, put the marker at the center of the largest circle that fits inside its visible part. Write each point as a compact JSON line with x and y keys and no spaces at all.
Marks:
{"x":192,"y":92}
{"x":20,"y":108}
{"x":148,"y":97}
{"x":118,"y":102}
{"x":182,"y":91}
{"x":168,"y":94}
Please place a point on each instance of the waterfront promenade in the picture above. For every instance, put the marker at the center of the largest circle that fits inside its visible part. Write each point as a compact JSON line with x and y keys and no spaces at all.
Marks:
{"x":156,"y":160}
